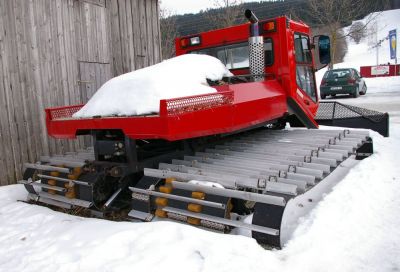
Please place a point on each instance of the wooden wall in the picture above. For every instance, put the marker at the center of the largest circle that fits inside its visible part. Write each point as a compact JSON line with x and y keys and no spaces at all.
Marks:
{"x":59,"y":52}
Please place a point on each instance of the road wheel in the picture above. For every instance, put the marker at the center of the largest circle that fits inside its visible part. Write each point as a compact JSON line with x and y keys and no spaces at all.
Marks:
{"x":333,"y":95}
{"x":323,"y":96}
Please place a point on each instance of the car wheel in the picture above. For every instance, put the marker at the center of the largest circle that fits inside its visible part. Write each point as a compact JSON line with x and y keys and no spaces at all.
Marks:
{"x":333,"y":95}
{"x":356,"y":93}
{"x":364,"y":90}
{"x":323,"y":96}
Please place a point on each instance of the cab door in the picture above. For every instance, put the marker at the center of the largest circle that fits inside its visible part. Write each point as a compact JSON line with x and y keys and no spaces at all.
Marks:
{"x":306,"y":93}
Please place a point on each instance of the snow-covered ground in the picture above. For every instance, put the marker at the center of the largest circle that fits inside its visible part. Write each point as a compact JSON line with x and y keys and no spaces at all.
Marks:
{"x":355,"y":227}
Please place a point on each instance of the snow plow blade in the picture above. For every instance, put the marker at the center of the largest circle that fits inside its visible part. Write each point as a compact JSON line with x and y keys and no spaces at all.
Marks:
{"x":342,"y":115}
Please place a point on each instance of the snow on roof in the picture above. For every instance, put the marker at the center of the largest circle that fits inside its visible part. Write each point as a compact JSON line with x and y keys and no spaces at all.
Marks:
{"x":139,"y":92}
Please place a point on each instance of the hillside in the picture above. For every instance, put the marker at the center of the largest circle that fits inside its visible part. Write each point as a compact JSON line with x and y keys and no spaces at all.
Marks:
{"x":194,"y":23}
{"x":364,"y":53}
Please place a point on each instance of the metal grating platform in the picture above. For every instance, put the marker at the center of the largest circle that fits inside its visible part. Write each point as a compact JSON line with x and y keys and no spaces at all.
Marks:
{"x":342,"y":115}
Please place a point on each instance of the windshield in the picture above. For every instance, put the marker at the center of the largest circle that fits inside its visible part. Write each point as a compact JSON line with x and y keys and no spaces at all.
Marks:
{"x":236,"y":56}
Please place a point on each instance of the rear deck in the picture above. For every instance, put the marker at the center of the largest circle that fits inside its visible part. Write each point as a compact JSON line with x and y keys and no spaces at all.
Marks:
{"x":232,"y":108}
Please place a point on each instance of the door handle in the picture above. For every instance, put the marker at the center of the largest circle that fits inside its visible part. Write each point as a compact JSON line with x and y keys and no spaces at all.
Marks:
{"x":306,"y":102}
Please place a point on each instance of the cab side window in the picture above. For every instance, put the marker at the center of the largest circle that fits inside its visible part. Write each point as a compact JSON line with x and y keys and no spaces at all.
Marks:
{"x":304,"y":68}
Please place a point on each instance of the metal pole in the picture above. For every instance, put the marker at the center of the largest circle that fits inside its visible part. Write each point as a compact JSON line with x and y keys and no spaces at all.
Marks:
{"x":377,"y":55}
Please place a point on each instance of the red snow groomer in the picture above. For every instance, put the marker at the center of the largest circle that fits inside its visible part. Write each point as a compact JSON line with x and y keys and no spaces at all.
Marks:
{"x":212,"y":160}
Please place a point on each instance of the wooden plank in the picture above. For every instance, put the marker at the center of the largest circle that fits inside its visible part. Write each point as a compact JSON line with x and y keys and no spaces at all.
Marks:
{"x":123,"y":33}
{"x":78,"y":28}
{"x":31,"y":111}
{"x":3,"y":159}
{"x":7,"y":172}
{"x":136,"y":34}
{"x":100,"y":35}
{"x":143,"y":36}
{"x":91,"y":29}
{"x":37,"y":41}
{"x":72,"y":40}
{"x":104,"y":18}
{"x":14,"y":96}
{"x":149,"y":32}
{"x":54,"y":59}
{"x":46,"y":56}
{"x":26,"y":146}
{"x":156,"y":32}
{"x":84,"y":33}
{"x":116,"y":38}
{"x":110,"y":44}
{"x":38,"y":122}
{"x":95,"y":42}
{"x":129,"y":36}
{"x":63,"y":40}
{"x":58,"y":76}
{"x":82,"y":85}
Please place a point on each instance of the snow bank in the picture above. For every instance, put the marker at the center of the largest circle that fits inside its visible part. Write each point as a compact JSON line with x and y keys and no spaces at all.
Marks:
{"x":139,"y":92}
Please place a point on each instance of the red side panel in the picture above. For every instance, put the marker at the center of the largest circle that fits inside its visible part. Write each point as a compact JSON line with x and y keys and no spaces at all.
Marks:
{"x":234,"y":107}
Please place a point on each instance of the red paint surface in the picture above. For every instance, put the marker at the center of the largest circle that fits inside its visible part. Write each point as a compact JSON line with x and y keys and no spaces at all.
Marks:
{"x":253,"y":103}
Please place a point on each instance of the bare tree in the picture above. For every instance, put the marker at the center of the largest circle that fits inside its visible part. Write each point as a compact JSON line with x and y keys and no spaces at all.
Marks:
{"x":169,"y":32}
{"x":225,"y":13}
{"x":334,"y":14}
{"x":357,"y":31}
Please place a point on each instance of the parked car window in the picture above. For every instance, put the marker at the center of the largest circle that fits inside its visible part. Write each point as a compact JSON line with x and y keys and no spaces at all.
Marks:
{"x":304,"y":70}
{"x":337,"y":73}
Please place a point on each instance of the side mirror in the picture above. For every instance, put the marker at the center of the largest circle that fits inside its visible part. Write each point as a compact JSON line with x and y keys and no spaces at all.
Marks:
{"x":322,"y":51}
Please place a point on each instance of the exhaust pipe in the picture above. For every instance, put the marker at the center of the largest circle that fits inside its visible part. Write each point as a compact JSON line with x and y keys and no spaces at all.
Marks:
{"x":254,"y":22}
{"x":256,"y":47}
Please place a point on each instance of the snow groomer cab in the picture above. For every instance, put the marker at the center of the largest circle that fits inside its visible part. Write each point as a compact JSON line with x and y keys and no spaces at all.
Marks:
{"x":280,"y":56}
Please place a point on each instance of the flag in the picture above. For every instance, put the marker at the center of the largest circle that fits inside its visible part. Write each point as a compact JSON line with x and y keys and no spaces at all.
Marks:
{"x":393,"y":43}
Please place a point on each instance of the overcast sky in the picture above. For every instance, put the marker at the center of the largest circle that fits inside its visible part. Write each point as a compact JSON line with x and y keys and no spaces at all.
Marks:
{"x":189,"y":6}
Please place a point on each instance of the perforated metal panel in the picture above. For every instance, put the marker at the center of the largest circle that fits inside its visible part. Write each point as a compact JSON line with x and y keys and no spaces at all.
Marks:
{"x":257,"y":58}
{"x":64,"y":112}
{"x":199,"y":102}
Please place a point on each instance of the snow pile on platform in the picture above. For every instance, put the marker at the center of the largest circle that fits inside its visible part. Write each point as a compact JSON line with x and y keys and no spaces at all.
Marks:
{"x":139,"y":92}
